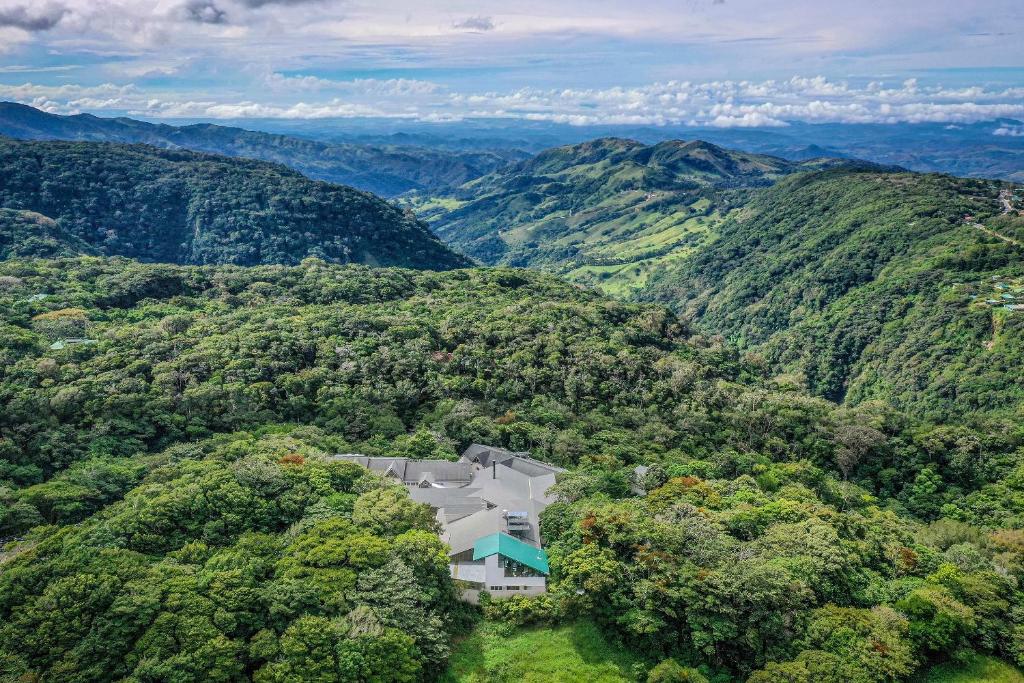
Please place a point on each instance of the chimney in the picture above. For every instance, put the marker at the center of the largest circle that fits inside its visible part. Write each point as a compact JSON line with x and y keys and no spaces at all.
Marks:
{"x":494,"y":469}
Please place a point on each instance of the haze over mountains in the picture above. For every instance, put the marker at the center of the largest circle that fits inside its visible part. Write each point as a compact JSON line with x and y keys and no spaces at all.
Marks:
{"x":984,"y":149}
{"x":386,"y":170}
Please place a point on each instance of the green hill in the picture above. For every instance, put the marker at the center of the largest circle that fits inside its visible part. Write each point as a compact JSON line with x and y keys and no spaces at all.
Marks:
{"x":866,"y":282}
{"x":607,"y":212}
{"x":28,"y":234}
{"x":184,"y":207}
{"x":387,"y":170}
{"x":872,"y":285}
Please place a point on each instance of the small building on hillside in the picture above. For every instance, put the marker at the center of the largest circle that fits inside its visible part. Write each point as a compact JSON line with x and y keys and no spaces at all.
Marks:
{"x":488,"y":504}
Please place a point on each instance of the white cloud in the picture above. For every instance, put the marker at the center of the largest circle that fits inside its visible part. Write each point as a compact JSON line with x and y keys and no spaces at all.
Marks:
{"x":712,"y":103}
{"x":1009,"y":130}
{"x":28,"y":68}
{"x":391,"y":87}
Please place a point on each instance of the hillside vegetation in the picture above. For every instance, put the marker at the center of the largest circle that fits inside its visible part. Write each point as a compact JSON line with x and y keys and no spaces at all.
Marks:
{"x":177,"y":515}
{"x":29,"y":234}
{"x":606,"y":213}
{"x":387,"y":170}
{"x":872,"y":286}
{"x":185,"y":207}
{"x":564,"y":654}
{"x":860,"y":282}
{"x":975,"y":670}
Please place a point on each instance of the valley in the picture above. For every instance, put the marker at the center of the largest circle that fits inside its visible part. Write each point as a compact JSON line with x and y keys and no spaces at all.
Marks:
{"x":775,"y":406}
{"x":608,"y":213}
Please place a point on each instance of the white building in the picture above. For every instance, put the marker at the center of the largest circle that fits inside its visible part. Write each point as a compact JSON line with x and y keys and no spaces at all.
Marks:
{"x":488,"y":504}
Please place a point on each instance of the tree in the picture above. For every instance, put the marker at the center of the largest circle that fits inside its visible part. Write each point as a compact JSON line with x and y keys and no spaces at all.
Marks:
{"x":671,"y":671}
{"x":388,"y":511}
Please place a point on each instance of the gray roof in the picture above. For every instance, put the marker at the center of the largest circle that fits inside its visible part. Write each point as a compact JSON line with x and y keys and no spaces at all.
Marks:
{"x":473,"y":495}
{"x":442,"y":497}
{"x":485,"y":455}
{"x":520,"y":461}
{"x":462,"y":533}
{"x":415,"y":471}
{"x":439,"y":470}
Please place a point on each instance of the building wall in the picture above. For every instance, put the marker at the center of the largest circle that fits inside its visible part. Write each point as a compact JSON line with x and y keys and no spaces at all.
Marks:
{"x":495,"y":581}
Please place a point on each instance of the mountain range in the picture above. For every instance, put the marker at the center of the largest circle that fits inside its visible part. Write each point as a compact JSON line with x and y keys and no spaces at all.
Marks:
{"x":790,"y":424}
{"x":865,"y":282}
{"x":384,"y":169}
{"x":608,"y":212}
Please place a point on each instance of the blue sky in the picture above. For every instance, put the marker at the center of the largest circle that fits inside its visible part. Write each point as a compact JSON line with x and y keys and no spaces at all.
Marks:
{"x":697,"y":62}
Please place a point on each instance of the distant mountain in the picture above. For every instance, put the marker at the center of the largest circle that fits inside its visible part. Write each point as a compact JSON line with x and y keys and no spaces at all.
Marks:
{"x":870,"y":286}
{"x":985,"y":149}
{"x":385,"y":169}
{"x":606,"y":212}
{"x":185,"y":207}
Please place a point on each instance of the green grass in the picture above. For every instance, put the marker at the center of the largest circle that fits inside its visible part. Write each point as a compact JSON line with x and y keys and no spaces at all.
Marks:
{"x":566,"y":654}
{"x":977,"y":670}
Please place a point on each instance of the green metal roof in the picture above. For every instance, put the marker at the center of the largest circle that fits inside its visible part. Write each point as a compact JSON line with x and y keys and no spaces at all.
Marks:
{"x":512,"y":548}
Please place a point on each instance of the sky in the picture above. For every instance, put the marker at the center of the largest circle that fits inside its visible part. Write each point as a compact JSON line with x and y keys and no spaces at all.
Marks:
{"x":726,"y":63}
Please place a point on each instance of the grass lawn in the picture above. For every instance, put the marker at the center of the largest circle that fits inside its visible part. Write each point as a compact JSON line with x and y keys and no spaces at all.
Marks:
{"x":978,"y":670}
{"x":566,"y":654}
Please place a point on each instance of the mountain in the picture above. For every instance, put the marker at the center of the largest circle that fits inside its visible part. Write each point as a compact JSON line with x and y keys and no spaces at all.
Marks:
{"x":184,"y":207}
{"x":607,"y":212}
{"x":984,"y":149}
{"x":384,"y":169}
{"x":865,"y":282}
{"x":872,"y":286}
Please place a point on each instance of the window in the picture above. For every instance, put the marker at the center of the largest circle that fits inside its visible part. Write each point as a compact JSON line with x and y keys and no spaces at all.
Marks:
{"x":517,"y":569}
{"x":513,"y":588}
{"x":496,"y":588}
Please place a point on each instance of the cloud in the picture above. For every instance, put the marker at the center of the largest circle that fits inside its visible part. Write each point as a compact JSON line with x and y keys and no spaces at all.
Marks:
{"x":390,"y":87}
{"x":479,"y":24}
{"x":1010,"y":131}
{"x":722,"y":103}
{"x":28,"y":68}
{"x":264,"y":3}
{"x":203,"y":12}
{"x":40,"y":18}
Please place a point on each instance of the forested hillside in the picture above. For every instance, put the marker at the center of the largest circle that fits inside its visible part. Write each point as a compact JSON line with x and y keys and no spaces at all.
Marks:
{"x":185,"y":207}
{"x":387,"y":170}
{"x":871,"y":286}
{"x":28,"y":234}
{"x":178,"y":516}
{"x":866,"y":282}
{"x":606,"y":213}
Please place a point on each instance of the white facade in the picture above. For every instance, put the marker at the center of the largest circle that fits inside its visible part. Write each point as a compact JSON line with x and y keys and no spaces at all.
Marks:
{"x":490,"y":576}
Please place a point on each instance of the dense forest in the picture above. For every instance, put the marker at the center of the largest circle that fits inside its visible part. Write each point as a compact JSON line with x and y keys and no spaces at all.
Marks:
{"x":870,"y":286}
{"x":185,"y":207}
{"x":860,"y":282}
{"x":384,"y":169}
{"x":168,"y":477}
{"x":29,"y":234}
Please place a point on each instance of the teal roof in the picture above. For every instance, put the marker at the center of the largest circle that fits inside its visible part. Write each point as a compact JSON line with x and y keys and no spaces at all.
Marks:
{"x":512,"y":548}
